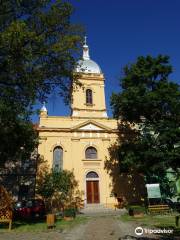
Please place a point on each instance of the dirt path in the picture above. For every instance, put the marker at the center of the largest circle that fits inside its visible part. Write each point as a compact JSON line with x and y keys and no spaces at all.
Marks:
{"x":96,"y":228}
{"x":104,"y":228}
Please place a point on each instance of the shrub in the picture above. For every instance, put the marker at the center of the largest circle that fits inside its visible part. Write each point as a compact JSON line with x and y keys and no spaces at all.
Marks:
{"x":136,"y":209}
{"x":70,"y":212}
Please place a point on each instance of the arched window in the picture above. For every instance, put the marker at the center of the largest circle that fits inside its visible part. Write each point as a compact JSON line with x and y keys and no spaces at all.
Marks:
{"x":57,"y":159}
{"x":92,"y":175}
{"x":89,"y":96}
{"x":91,"y":153}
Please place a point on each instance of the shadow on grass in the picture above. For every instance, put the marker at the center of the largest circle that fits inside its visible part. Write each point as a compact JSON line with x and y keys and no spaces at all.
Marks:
{"x":34,"y":224}
{"x":19,"y":223}
{"x":166,"y":222}
{"x":40,"y":225}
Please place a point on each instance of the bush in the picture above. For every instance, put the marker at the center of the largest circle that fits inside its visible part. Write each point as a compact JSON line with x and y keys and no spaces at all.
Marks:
{"x":136,"y":209}
{"x":56,"y":188}
{"x":70,"y":212}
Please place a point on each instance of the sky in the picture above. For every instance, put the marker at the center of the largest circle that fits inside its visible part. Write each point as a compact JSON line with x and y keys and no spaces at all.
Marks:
{"x":118,"y":31}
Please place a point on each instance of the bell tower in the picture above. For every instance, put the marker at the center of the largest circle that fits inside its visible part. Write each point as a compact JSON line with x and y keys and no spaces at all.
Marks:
{"x":88,"y":100}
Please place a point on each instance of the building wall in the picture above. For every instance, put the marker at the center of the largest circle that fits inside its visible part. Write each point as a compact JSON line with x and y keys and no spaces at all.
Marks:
{"x":74,"y":143}
{"x":96,"y":83}
{"x":88,"y":125}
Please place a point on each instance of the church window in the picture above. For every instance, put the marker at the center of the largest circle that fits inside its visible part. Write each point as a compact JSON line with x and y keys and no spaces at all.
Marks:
{"x":92,"y":175}
{"x":91,"y":153}
{"x":89,"y":96}
{"x":57,"y":158}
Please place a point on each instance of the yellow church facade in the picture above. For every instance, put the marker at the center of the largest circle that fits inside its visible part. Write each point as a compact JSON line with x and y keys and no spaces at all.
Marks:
{"x":80,"y":142}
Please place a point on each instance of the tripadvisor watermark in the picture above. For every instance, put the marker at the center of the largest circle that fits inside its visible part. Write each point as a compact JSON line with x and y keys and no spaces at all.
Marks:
{"x":139,"y":231}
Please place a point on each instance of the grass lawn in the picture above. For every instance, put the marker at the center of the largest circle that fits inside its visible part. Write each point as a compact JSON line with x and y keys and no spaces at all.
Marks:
{"x":155,"y":221}
{"x":23,"y":226}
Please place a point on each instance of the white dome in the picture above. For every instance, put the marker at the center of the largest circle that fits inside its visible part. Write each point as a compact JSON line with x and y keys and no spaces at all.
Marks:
{"x":87,"y":66}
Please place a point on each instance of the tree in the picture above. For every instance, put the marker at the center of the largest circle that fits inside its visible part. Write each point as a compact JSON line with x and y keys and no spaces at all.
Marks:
{"x":39,"y":47}
{"x":148,"y":108}
{"x":57,"y":188}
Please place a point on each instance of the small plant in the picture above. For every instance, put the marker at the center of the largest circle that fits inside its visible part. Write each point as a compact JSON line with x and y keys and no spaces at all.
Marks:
{"x":70,"y":212}
{"x":136,"y":209}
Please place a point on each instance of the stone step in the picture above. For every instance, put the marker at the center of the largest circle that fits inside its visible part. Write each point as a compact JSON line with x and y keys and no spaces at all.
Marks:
{"x":101,"y":211}
{"x":94,"y":206}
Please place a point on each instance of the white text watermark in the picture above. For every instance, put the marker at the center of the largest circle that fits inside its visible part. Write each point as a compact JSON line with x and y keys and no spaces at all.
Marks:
{"x":139,"y":231}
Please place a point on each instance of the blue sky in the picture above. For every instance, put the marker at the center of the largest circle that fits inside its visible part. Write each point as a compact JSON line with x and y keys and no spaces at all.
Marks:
{"x":119,"y":31}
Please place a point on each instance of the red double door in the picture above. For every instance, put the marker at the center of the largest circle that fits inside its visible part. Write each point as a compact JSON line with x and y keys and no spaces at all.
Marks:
{"x":92,"y":191}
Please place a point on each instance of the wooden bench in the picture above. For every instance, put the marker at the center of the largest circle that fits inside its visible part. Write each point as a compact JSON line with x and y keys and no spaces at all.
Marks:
{"x":6,"y":217}
{"x":158,"y":208}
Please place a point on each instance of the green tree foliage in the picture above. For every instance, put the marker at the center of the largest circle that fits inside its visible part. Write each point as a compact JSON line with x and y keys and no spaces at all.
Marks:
{"x":39,"y":47}
{"x":57,"y":188}
{"x":148,"y":107}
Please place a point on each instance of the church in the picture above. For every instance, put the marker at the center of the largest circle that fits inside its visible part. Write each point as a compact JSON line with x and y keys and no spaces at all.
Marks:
{"x":80,"y":142}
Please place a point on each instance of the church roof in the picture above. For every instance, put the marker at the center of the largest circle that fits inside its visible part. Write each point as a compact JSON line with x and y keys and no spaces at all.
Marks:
{"x":91,"y":125}
{"x":86,"y":65}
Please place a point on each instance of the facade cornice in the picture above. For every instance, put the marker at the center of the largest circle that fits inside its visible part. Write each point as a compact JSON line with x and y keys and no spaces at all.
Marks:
{"x":90,"y":76}
{"x":45,"y":129}
{"x":89,"y":109}
{"x":102,"y":126}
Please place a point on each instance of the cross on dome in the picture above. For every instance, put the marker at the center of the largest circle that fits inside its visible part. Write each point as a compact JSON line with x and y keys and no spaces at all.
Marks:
{"x":86,"y":65}
{"x":85,"y":50}
{"x":85,"y":40}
